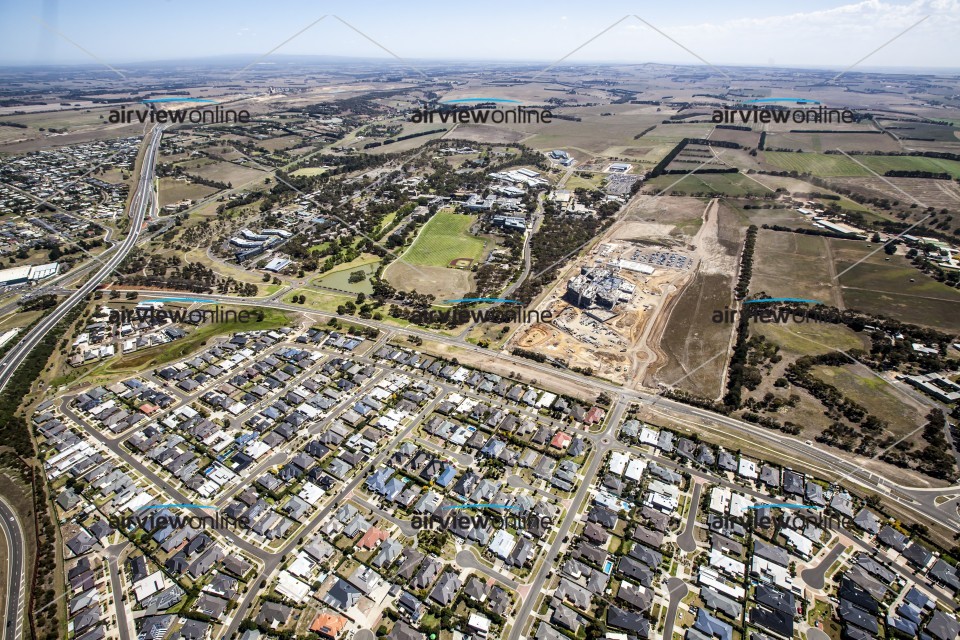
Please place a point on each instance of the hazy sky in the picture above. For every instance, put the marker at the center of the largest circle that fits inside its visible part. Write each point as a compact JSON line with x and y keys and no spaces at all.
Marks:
{"x":740,"y":32}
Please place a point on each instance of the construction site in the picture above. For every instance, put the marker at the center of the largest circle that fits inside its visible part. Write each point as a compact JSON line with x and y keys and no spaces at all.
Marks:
{"x":603,"y":306}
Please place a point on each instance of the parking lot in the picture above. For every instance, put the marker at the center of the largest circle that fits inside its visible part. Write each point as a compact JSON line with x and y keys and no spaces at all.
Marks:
{"x":663,"y":259}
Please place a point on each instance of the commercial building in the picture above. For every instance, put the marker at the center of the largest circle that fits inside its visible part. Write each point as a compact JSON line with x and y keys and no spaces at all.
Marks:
{"x":28,"y":273}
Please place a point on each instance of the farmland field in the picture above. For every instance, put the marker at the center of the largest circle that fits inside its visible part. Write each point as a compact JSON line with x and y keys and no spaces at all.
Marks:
{"x":228,"y":172}
{"x":744,"y":138}
{"x":445,"y":238}
{"x":171,"y":191}
{"x":940,"y":194}
{"x":730,"y":184}
{"x":820,"y":142}
{"x":920,"y":130}
{"x":811,"y":338}
{"x":689,"y":344}
{"x":838,"y":165}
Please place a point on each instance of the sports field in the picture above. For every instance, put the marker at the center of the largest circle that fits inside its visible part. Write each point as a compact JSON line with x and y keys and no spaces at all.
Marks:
{"x":839,"y":165}
{"x":445,"y":238}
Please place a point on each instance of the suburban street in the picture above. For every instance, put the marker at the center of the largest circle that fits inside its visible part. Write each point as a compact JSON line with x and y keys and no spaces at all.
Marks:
{"x":550,"y":560}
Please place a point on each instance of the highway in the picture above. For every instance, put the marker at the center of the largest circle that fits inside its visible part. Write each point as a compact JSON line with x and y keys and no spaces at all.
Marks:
{"x":16,"y":576}
{"x":140,"y":204}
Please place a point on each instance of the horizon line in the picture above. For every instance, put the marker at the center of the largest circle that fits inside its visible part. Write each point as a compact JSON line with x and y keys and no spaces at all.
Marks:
{"x":459,"y":100}
{"x":80,"y":62}
{"x":150,"y":100}
{"x":797,"y":100}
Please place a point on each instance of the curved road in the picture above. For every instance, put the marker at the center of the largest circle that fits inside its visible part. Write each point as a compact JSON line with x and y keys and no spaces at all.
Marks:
{"x":16,"y":578}
{"x":677,"y":589}
{"x":687,"y":540}
{"x":139,"y":206}
{"x":815,"y":577}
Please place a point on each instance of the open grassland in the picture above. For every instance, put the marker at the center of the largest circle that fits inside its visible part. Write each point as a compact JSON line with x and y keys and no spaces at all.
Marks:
{"x":600,"y":135}
{"x":791,"y":265}
{"x":172,"y":191}
{"x":281,"y":143}
{"x":309,"y":171}
{"x":893,"y":288}
{"x":901,"y":412}
{"x":935,"y":313}
{"x":483,"y":133}
{"x":802,"y":339}
{"x":445,"y":238}
{"x":643,"y":151}
{"x":838,"y":165}
{"x":585,"y":180}
{"x":811,"y":338}
{"x":228,"y":172}
{"x":443,"y":283}
{"x":316,"y":299}
{"x":18,"y":319}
